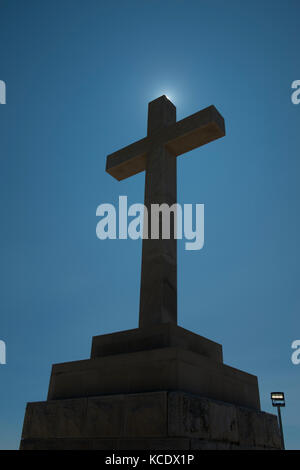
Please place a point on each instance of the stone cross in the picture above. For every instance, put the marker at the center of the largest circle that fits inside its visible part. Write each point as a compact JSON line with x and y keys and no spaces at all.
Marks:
{"x":156,"y":154}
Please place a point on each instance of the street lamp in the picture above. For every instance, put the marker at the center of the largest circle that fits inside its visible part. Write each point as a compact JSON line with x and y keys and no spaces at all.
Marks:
{"x":279,"y":401}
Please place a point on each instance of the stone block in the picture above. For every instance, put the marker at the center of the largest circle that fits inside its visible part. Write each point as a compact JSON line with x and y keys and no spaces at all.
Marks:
{"x":145,"y":415}
{"x":195,"y":416}
{"x":55,"y":444}
{"x":223,"y":422}
{"x":159,"y":420}
{"x":63,"y":418}
{"x":131,"y":415}
{"x":273,"y":439}
{"x":152,"y":370}
{"x":116,"y":416}
{"x":105,"y":416}
{"x":258,"y":429}
{"x":188,"y":416}
{"x":160,"y":336}
{"x":106,"y":444}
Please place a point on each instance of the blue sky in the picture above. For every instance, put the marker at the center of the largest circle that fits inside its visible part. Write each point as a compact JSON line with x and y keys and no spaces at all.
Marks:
{"x":79,"y":75}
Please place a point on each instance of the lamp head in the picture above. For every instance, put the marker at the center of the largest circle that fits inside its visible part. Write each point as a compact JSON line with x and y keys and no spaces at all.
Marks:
{"x":278,"y":399}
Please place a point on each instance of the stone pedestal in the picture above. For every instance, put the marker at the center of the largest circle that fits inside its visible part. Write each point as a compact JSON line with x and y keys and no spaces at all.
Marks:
{"x":151,"y":421}
{"x":157,"y":388}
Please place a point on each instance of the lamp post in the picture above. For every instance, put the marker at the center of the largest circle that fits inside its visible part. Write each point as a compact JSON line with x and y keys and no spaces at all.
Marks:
{"x":279,"y":401}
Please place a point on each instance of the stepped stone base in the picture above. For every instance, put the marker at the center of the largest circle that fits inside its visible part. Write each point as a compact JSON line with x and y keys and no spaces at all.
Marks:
{"x":147,"y":421}
{"x":161,"y":387}
{"x":163,"y":357}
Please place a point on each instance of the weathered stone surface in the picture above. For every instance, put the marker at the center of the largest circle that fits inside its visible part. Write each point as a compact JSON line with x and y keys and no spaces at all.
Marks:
{"x":258,"y":429}
{"x":105,"y":417}
{"x":159,"y":420}
{"x":199,"y":417}
{"x":142,"y":415}
{"x":145,"y":415}
{"x":155,"y":337}
{"x":246,"y":423}
{"x":55,"y":419}
{"x":127,"y":415}
{"x":272,"y":436}
{"x":223,"y":422}
{"x":106,"y":444}
{"x":127,"y":373}
{"x":187,"y":416}
{"x":160,"y":369}
{"x":202,"y":376}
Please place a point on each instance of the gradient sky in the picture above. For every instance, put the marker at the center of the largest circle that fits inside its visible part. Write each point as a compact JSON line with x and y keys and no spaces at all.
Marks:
{"x":79,"y":75}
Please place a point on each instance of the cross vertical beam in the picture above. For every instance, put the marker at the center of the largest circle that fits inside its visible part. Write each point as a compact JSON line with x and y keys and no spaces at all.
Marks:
{"x":158,"y":294}
{"x":156,"y":154}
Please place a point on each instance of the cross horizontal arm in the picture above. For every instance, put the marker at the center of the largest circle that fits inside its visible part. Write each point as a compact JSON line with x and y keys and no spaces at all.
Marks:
{"x":194,"y":131}
{"x":181,"y":137}
{"x":129,"y":160}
